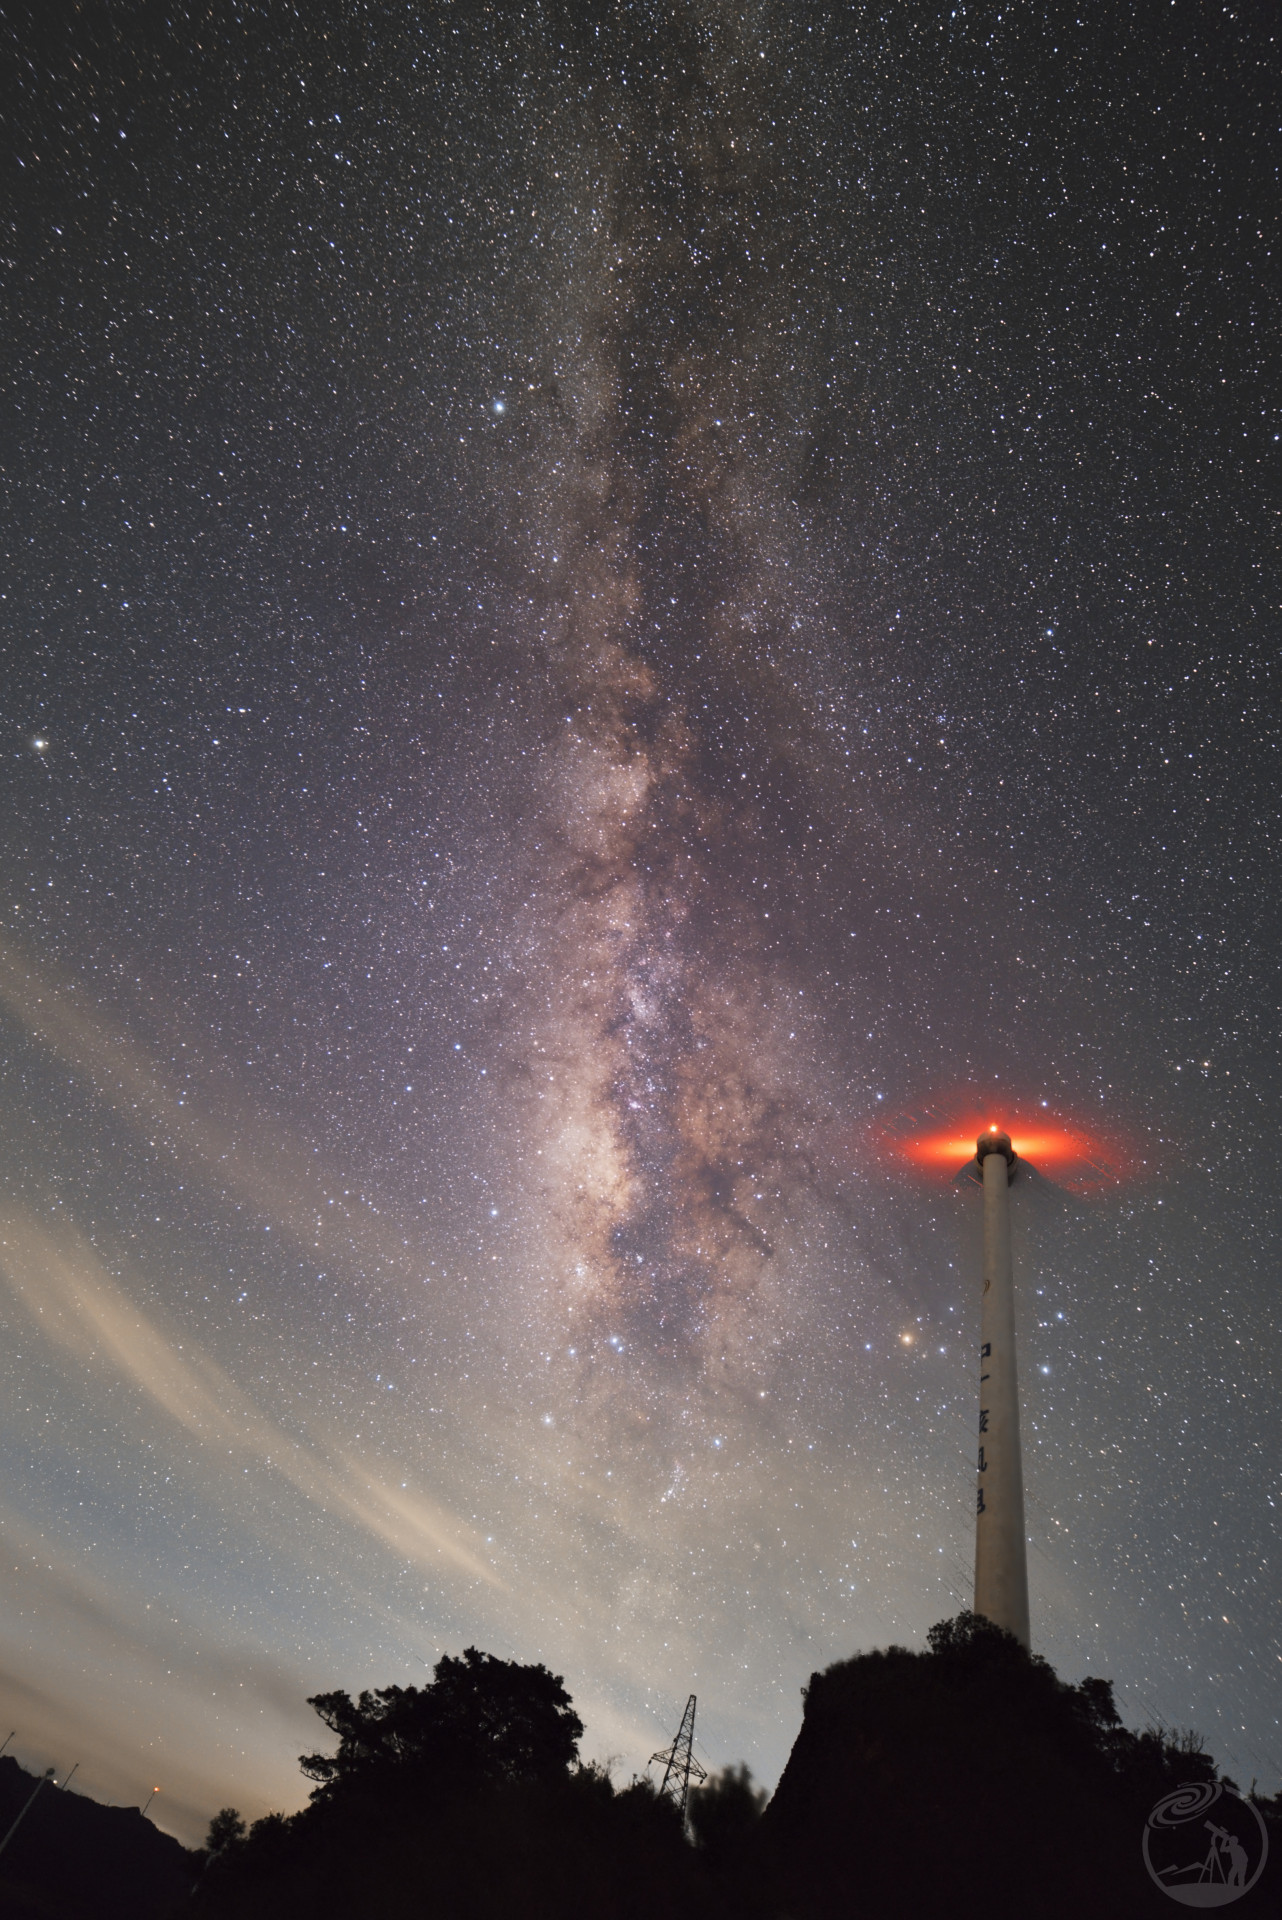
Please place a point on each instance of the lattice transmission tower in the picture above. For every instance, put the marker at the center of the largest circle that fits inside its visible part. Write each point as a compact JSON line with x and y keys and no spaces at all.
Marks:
{"x":680,"y":1768}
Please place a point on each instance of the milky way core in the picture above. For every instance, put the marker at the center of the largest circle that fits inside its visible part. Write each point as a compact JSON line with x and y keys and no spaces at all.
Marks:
{"x":621,"y":624}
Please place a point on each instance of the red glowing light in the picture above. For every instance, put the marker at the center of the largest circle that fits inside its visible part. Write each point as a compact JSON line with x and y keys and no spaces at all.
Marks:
{"x":1048,"y":1143}
{"x":1078,"y":1157}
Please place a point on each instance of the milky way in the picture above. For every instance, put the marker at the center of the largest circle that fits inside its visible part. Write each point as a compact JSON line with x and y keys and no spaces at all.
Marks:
{"x":613,"y":618}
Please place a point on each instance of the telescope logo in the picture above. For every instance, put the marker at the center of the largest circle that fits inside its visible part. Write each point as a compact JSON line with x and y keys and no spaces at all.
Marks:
{"x":1204,"y":1845}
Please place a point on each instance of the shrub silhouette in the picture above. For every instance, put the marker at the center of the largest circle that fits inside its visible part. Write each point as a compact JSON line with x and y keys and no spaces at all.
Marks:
{"x":725,"y":1811}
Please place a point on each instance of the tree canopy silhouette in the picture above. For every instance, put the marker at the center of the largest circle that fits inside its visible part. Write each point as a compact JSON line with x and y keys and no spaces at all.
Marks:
{"x":482,"y":1721}
{"x":467,"y":1790}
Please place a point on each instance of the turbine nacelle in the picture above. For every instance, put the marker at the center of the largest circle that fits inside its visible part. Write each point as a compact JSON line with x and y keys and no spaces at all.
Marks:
{"x":993,"y":1140}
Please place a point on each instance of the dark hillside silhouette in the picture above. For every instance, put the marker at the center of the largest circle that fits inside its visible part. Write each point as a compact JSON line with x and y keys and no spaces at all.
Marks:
{"x":73,"y":1859}
{"x":970,"y":1782}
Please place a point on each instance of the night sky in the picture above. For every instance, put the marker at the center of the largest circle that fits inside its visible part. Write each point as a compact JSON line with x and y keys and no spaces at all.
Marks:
{"x":610,"y":615}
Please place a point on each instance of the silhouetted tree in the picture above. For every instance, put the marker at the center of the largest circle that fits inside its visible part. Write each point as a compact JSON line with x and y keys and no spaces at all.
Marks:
{"x":466,"y":1791}
{"x":482,"y":1720}
{"x":226,"y":1829}
{"x":725,"y":1810}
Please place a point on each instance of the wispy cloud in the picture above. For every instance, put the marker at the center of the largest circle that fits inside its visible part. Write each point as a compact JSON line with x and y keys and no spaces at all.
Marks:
{"x":80,"y":1307}
{"x":98,"y":1667}
{"x":244,"y":1159}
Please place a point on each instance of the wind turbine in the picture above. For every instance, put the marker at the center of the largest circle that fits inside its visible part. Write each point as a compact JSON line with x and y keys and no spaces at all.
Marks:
{"x":1001,"y":1555}
{"x":931,"y":1141}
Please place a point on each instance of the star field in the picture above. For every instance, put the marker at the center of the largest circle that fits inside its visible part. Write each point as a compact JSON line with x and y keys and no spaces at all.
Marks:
{"x":607,"y":611}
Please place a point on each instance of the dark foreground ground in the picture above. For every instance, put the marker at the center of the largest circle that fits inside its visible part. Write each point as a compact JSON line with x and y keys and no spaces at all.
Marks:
{"x":966,"y":1782}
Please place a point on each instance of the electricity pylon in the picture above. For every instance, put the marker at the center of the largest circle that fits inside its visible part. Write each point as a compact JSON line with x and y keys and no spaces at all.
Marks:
{"x":679,"y":1764}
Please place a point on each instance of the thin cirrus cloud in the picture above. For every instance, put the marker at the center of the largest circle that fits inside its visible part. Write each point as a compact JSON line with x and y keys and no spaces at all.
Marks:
{"x":239,"y":1158}
{"x":104,"y":1666}
{"x":82,"y":1310}
{"x":157,"y":1680}
{"x":134,"y":1371}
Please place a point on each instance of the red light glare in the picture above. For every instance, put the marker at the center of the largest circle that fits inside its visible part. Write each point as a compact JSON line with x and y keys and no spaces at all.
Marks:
{"x":1069,"y":1154}
{"x":1049,"y":1143}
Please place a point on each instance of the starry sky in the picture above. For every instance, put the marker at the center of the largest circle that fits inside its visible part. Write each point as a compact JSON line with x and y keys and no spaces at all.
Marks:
{"x":612,"y":615}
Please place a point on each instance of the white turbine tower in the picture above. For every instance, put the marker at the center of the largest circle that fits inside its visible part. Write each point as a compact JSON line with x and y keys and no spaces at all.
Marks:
{"x":1001,"y":1562}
